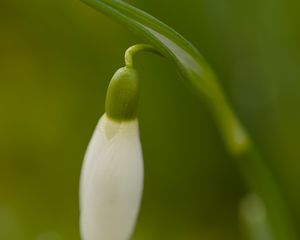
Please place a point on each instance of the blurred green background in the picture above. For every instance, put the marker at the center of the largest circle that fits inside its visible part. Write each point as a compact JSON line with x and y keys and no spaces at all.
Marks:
{"x":56,"y":59}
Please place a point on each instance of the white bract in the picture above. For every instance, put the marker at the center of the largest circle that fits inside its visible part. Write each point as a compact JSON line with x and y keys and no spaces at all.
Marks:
{"x":111,"y":181}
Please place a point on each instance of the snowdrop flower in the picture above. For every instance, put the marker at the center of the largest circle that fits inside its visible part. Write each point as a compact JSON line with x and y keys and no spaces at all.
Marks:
{"x":112,"y":174}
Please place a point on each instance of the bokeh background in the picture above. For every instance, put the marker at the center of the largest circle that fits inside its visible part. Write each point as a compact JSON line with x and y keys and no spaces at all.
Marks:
{"x":56,"y":60}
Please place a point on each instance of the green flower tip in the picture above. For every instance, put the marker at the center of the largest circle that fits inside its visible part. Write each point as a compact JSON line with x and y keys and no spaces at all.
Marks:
{"x":122,"y":95}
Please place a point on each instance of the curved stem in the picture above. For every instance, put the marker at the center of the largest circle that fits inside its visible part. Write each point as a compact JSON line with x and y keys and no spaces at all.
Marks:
{"x":130,"y":52}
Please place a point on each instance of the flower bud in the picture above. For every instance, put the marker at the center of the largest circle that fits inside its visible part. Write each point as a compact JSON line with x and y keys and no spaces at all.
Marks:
{"x":111,"y":180}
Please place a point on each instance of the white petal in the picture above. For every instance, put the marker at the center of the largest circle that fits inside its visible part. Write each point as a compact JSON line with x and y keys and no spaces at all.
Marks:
{"x":111,"y":181}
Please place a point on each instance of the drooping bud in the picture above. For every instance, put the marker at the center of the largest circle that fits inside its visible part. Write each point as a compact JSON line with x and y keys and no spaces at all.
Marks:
{"x":111,"y":180}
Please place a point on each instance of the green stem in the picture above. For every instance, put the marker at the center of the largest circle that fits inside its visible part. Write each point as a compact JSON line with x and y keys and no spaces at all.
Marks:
{"x":253,"y":168}
{"x":130,"y":52}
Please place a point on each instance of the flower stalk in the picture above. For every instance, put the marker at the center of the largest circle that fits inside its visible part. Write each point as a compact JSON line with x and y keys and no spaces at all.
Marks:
{"x":131,"y":51}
